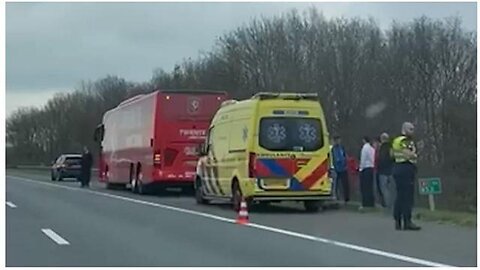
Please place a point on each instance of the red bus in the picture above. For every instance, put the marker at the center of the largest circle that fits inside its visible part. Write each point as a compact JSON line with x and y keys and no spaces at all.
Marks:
{"x":151,"y":140}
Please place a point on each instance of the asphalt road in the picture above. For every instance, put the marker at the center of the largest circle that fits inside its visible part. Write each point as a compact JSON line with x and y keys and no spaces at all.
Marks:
{"x":59,"y":224}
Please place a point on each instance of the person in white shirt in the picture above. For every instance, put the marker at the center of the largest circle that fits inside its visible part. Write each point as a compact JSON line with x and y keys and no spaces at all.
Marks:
{"x":367,"y":159}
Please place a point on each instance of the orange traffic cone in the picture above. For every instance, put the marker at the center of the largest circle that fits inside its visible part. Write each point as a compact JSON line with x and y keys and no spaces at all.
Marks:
{"x":242,"y":217}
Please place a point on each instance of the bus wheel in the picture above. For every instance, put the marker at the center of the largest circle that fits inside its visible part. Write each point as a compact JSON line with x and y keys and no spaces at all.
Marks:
{"x":133,"y":183}
{"x":312,"y":206}
{"x":115,"y":186}
{"x":199,"y":191}
{"x":140,"y":187}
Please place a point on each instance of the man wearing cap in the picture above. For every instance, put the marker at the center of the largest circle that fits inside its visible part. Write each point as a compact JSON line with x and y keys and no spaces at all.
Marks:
{"x":404,"y":171}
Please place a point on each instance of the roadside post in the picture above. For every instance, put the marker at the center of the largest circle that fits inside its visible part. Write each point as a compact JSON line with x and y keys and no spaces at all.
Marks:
{"x":430,"y":186}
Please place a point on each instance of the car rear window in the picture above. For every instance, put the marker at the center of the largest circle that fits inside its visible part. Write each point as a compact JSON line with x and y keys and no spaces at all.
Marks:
{"x":291,"y":134}
{"x":73,"y":160}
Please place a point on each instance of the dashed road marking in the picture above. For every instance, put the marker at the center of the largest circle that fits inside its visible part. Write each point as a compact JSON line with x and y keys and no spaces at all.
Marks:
{"x":55,"y":237}
{"x":358,"y":248}
{"x":11,"y":205}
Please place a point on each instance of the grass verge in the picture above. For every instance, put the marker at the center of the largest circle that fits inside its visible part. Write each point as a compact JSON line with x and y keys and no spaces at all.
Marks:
{"x":438,"y":216}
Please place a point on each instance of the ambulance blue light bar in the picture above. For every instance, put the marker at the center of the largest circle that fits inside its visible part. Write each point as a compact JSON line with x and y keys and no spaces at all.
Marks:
{"x":289,"y":112}
{"x":291,"y":96}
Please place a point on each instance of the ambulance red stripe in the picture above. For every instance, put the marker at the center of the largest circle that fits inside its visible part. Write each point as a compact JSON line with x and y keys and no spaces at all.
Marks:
{"x":316,"y":175}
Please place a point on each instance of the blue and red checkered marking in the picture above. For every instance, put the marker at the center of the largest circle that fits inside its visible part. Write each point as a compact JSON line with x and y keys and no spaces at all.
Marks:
{"x":275,"y":168}
{"x":286,"y":168}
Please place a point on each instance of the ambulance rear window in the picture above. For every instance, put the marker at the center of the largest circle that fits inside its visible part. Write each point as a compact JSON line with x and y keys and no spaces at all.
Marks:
{"x":290,"y":134}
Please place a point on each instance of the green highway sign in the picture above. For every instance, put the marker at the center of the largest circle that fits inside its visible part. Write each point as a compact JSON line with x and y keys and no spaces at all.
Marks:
{"x":429,"y":186}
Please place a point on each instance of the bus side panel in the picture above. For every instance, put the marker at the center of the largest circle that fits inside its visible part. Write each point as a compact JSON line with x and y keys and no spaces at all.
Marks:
{"x":140,"y":138}
{"x":128,"y":131}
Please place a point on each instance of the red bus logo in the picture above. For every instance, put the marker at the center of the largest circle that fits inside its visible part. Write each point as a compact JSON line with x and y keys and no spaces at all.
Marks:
{"x":193,"y":105}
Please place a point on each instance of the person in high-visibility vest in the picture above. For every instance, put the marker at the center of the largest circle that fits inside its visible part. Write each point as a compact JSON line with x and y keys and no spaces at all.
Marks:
{"x":405,"y":168}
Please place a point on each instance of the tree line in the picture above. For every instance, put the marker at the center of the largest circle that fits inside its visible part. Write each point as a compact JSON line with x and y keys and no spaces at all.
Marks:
{"x":370,"y":80}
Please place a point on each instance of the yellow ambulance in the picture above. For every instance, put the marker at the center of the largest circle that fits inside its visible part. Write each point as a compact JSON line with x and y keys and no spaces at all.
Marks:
{"x":269,"y":148}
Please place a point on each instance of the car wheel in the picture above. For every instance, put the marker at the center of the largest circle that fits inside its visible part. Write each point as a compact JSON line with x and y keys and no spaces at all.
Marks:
{"x":199,"y":194}
{"x":312,"y":206}
{"x":59,"y":176}
{"x":52,"y":176}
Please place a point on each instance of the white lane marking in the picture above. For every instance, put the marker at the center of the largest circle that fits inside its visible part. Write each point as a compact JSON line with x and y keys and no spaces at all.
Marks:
{"x":12,"y":205}
{"x":257,"y":226}
{"x":55,"y":237}
{"x":351,"y":246}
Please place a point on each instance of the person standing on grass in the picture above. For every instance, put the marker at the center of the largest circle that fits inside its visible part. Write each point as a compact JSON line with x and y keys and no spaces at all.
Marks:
{"x":404,"y":172}
{"x":385,"y":166}
{"x":376,"y":178}
{"x":367,"y":159}
{"x":339,"y":157}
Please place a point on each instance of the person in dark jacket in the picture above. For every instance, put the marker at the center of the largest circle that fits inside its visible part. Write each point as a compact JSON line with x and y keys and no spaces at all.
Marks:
{"x":339,"y":157}
{"x":385,"y":165}
{"x":87,"y":162}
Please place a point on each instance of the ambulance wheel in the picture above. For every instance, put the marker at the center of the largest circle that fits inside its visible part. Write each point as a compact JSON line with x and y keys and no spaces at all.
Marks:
{"x":199,"y":192}
{"x":312,"y":206}
{"x":264,"y":203}
{"x":236,"y":196}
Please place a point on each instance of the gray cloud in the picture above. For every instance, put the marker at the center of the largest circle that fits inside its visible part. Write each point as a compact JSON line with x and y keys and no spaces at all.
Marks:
{"x":56,"y":45}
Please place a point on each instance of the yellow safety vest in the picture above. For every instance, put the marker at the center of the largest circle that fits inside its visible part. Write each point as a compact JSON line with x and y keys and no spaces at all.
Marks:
{"x":400,"y":143}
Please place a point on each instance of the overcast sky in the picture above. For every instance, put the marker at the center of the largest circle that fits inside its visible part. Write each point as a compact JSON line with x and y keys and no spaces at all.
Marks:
{"x":51,"y":47}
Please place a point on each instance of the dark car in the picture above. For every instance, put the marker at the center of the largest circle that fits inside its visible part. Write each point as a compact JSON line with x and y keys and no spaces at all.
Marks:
{"x":66,"y":166}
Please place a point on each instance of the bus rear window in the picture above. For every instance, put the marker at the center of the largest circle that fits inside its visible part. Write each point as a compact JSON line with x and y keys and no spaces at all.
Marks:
{"x":186,"y":107}
{"x":290,"y":134}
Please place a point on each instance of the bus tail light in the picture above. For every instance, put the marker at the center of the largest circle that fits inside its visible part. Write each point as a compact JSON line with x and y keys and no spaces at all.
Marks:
{"x":157,"y":159}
